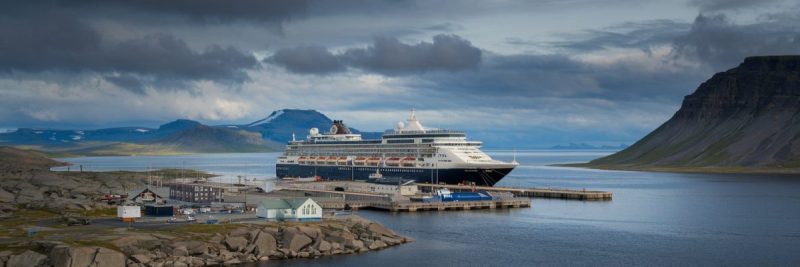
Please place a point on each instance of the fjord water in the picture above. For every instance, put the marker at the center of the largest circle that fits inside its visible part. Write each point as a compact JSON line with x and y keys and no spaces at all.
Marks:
{"x":654,"y":219}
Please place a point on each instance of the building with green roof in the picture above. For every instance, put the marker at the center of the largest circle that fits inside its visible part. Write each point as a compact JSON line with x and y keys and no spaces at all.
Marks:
{"x":289,"y":209}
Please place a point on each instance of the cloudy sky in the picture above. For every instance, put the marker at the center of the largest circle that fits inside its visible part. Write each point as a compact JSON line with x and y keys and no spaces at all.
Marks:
{"x":536,"y":72}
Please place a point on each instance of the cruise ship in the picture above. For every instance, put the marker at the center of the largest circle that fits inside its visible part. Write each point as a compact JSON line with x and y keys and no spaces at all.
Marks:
{"x":409,"y":151}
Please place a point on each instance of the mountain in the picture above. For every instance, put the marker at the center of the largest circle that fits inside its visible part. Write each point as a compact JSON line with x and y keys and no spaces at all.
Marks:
{"x":587,"y":146}
{"x":281,"y":124}
{"x":180,"y":136}
{"x":744,"y":119}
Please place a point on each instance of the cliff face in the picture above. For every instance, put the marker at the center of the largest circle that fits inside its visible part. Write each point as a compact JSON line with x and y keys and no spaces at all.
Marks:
{"x":746,"y":117}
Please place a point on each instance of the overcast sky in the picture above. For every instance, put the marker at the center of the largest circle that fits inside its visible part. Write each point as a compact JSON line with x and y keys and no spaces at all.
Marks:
{"x":535,"y":72}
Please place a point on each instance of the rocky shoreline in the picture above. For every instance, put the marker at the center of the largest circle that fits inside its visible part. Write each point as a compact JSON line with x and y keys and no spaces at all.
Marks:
{"x":194,"y":245}
{"x":33,"y":197}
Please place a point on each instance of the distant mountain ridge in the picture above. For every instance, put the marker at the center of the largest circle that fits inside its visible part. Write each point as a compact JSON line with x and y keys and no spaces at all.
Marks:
{"x":180,"y":136}
{"x":743,"y":119}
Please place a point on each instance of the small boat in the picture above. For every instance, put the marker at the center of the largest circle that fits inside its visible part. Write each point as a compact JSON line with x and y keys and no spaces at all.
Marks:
{"x":409,"y":161}
{"x":374,"y":161}
{"x":376,"y":175}
{"x":360,"y":161}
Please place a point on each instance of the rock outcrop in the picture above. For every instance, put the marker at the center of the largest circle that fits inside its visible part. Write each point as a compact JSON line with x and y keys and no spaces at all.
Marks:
{"x":26,"y":181}
{"x":248,"y":243}
{"x":27,"y":259}
{"x":746,"y":118}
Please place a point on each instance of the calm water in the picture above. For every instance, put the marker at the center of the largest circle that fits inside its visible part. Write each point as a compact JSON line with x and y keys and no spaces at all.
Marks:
{"x":654,"y":219}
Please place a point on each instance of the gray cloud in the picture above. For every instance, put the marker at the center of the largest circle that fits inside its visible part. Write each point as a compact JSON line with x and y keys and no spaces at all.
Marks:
{"x":640,"y":35}
{"x":385,"y":55}
{"x":389,"y":55}
{"x":55,"y":40}
{"x":515,"y":80}
{"x":307,"y":59}
{"x":721,"y":5}
{"x":207,"y":11}
{"x":721,"y":44}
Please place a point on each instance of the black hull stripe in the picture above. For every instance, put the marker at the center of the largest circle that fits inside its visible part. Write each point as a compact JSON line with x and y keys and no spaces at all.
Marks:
{"x":487,"y":177}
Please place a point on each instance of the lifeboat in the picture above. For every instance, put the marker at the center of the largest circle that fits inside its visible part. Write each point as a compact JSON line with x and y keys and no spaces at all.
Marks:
{"x":321,"y":160}
{"x":360,"y":161}
{"x":409,"y":161}
{"x":301,"y":160}
{"x":311,"y":160}
{"x":331,"y":160}
{"x":393,"y":162}
{"x":342,"y":161}
{"x":374,"y":161}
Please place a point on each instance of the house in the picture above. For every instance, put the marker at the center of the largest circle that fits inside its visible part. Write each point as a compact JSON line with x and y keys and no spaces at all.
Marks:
{"x":149,"y":195}
{"x":289,"y":209}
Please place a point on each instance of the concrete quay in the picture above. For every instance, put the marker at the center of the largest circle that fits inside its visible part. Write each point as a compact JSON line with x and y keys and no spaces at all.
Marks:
{"x":586,"y":195}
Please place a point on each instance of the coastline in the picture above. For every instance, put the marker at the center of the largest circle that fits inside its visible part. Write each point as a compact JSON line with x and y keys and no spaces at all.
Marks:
{"x":36,"y":204}
{"x":718,"y":170}
{"x":110,"y":243}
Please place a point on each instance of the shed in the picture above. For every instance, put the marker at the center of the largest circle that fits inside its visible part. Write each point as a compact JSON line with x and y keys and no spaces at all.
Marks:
{"x":129,"y":213}
{"x":159,"y":210}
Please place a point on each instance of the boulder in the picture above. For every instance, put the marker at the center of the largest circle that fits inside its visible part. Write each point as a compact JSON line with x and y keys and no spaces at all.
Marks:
{"x":108,"y":257}
{"x":180,"y":251}
{"x":26,"y":259}
{"x":196,"y":261}
{"x":391,"y":241}
{"x":193,"y":247}
{"x":6,"y":196}
{"x":66,"y":256}
{"x":236,"y":243}
{"x":250,"y":249}
{"x":265,"y":243}
{"x":312,"y":232}
{"x":143,"y":259}
{"x":323,"y":246}
{"x":354,"y":244}
{"x":376,"y":245}
{"x":295,"y":240}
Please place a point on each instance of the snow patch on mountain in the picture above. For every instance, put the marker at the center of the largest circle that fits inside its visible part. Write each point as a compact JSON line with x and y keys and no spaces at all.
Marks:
{"x":268,"y":119}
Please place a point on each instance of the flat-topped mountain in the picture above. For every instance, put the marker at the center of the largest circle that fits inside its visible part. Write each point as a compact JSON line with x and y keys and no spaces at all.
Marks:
{"x":281,"y":124}
{"x":743,"y":119}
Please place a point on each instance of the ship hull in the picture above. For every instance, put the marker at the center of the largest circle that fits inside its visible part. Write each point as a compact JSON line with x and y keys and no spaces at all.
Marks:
{"x":480,"y":176}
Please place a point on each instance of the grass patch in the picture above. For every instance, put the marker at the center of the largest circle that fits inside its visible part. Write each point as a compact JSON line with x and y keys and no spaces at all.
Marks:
{"x":109,"y":212}
{"x":90,"y":243}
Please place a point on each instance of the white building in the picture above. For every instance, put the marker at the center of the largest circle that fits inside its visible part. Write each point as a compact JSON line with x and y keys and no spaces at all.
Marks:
{"x":387,"y":186}
{"x":289,"y":209}
{"x":129,"y":213}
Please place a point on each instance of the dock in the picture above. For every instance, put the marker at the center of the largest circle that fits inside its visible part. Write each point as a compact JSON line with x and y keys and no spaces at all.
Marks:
{"x":357,"y":201}
{"x":571,"y":194}
{"x":442,"y":206}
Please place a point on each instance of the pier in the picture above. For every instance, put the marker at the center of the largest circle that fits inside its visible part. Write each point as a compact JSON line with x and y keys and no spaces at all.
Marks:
{"x":442,"y":206}
{"x":586,"y":195}
{"x":357,"y":201}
